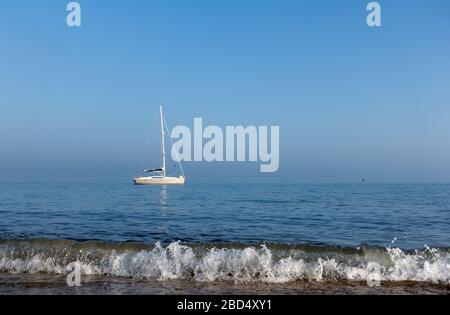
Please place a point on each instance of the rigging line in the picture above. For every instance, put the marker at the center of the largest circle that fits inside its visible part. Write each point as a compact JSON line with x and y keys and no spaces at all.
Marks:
{"x":176,"y":154}
{"x":149,"y":140}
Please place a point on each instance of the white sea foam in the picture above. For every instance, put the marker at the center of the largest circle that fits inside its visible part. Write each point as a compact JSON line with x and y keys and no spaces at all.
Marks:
{"x":250,"y":264}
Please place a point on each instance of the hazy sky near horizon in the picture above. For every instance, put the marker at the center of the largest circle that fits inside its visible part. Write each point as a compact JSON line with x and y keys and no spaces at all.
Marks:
{"x":351,"y":101}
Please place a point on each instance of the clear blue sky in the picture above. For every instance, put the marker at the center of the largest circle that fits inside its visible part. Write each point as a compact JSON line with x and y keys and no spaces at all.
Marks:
{"x":351,"y":101}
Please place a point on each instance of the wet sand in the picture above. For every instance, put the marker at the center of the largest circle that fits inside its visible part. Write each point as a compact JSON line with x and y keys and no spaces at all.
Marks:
{"x":45,"y":284}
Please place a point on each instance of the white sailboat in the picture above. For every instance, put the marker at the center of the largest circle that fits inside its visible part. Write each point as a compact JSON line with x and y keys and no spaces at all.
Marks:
{"x":159,"y":177}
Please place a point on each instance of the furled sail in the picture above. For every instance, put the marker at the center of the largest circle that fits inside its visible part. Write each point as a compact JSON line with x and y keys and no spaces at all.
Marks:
{"x":153,"y":170}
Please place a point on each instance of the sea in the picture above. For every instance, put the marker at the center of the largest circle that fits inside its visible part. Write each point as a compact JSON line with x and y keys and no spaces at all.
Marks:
{"x":225,"y":239}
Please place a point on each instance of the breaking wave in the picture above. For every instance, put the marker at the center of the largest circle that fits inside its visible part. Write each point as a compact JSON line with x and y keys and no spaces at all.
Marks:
{"x":271,"y":263}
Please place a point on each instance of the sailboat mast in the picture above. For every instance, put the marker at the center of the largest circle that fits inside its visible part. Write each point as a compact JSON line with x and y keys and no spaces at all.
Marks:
{"x":162,"y":142}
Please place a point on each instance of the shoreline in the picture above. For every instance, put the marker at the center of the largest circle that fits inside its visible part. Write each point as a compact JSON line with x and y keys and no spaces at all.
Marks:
{"x":47,"y":284}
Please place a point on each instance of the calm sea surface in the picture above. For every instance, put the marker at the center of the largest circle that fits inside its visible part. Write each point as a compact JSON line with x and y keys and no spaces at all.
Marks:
{"x":347,"y":215}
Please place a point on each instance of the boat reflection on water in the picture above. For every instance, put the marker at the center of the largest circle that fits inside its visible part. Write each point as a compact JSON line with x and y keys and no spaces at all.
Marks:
{"x":163,"y":198}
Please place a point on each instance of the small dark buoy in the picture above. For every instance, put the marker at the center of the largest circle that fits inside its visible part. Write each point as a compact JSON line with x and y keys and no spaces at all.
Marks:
{"x":363,"y":180}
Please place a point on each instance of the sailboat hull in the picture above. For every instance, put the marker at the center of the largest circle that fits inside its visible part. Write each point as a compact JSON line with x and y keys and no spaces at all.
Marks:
{"x":159,"y":181}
